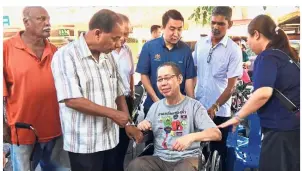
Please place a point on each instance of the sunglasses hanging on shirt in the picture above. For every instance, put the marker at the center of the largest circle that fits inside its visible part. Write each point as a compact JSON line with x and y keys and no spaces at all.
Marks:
{"x":210,"y":54}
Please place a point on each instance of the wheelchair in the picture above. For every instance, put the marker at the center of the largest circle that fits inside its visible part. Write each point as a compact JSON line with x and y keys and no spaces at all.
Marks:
{"x":206,"y":160}
{"x":240,"y":95}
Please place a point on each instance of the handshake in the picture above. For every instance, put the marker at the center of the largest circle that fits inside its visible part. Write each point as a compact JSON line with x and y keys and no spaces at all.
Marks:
{"x":132,"y":131}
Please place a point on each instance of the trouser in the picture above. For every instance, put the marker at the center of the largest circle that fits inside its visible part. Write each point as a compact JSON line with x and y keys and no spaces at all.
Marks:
{"x":280,"y":150}
{"x":220,"y":146}
{"x":20,"y":156}
{"x":123,"y":140}
{"x":98,"y":161}
{"x":154,"y":163}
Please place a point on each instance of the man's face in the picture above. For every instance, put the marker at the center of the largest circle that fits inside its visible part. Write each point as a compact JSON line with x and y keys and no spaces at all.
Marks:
{"x":219,"y":26}
{"x":156,"y":33}
{"x":37,"y":23}
{"x":126,"y":29}
{"x":108,"y":42}
{"x":173,"y":30}
{"x":168,"y":82}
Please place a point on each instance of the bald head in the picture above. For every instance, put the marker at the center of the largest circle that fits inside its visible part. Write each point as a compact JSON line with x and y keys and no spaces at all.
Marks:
{"x":30,"y":9}
{"x":36,"y":21}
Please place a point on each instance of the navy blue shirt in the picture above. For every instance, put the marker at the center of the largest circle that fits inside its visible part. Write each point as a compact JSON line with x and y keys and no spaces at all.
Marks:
{"x":155,"y":53}
{"x":274,"y":69}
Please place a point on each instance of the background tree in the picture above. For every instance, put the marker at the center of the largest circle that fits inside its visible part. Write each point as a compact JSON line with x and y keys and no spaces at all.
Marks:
{"x":202,"y":15}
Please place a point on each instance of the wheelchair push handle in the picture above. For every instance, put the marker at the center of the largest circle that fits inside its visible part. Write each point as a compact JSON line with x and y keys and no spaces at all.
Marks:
{"x":23,"y":125}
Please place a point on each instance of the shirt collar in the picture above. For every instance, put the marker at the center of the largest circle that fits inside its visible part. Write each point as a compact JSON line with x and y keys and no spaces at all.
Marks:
{"x":18,"y":43}
{"x":122,"y":49}
{"x":85,"y":51}
{"x":223,"y":41}
{"x":83,"y":47}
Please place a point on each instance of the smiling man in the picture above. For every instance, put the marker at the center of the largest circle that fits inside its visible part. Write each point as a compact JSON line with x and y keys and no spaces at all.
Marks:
{"x":179,"y":123}
{"x":219,"y":63}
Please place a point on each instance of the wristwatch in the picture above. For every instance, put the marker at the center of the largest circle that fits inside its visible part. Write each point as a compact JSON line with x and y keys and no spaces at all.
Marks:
{"x":216,"y":106}
{"x":238,"y":118}
{"x":130,"y":124}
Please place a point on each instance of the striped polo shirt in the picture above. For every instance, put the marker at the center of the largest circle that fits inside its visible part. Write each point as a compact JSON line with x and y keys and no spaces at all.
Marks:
{"x":78,"y":75}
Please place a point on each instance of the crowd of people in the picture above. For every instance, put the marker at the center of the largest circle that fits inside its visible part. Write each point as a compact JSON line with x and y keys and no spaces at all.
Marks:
{"x":82,"y":93}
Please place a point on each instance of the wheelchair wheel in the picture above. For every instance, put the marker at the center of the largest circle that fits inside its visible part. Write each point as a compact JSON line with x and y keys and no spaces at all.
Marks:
{"x":215,"y":160}
{"x":217,"y":164}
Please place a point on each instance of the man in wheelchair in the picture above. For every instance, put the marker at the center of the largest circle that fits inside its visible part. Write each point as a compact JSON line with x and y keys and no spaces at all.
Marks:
{"x":176,"y":122}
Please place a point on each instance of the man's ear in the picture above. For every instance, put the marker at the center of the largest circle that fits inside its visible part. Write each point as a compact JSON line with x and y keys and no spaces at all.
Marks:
{"x":180,"y":78}
{"x":230,"y":24}
{"x":97,"y":33}
{"x":25,"y":22}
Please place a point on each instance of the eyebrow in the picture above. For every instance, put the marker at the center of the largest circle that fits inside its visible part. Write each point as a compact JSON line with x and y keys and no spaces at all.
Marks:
{"x":175,"y":27}
{"x":165,"y":75}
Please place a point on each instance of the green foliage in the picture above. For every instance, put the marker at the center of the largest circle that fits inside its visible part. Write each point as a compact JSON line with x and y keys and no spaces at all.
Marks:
{"x":202,"y":15}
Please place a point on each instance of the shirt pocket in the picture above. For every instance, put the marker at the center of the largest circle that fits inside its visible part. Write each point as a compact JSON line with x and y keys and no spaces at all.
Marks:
{"x":220,"y":68}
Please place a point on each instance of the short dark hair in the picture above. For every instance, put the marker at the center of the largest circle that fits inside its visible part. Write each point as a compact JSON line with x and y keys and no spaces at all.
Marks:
{"x":223,"y":11}
{"x":123,"y":17}
{"x":105,"y":20}
{"x":174,"y":66}
{"x":174,"y":14}
{"x":236,"y":38}
{"x":154,"y":28}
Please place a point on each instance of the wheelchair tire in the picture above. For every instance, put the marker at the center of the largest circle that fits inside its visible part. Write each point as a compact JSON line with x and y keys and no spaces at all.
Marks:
{"x":213,"y":160}
{"x":217,"y":164}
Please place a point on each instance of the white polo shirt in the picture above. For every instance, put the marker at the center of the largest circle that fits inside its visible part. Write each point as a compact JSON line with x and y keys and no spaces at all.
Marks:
{"x":125,"y":65}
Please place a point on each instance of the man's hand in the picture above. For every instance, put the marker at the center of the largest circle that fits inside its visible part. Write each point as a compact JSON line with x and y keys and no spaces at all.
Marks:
{"x":4,"y":160}
{"x":120,"y":118}
{"x":6,"y":133}
{"x":134,"y":133}
{"x":144,"y":125}
{"x":183,"y":142}
{"x":212,"y":111}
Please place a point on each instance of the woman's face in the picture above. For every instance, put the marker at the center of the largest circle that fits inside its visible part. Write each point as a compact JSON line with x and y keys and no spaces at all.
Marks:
{"x":253,"y":42}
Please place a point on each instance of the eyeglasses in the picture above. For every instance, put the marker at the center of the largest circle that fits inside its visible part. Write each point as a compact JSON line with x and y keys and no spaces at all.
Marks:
{"x":167,"y":78}
{"x":218,"y":23}
{"x":210,"y":54}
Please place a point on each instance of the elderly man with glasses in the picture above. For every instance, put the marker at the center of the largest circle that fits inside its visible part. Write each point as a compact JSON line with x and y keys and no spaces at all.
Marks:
{"x":178,"y":122}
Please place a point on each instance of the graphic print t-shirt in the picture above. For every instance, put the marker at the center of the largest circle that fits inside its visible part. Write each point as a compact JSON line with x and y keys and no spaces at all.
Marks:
{"x":170,"y":122}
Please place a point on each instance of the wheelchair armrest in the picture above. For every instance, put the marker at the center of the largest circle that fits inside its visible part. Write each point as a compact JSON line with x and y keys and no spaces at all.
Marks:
{"x":146,"y":135}
{"x":204,"y":144}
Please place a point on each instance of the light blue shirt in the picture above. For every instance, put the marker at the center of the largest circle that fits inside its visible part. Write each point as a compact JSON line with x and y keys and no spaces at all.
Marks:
{"x":212,"y":77}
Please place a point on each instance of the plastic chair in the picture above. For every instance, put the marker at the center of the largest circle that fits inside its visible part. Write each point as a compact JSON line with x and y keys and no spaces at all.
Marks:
{"x":244,"y":152}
